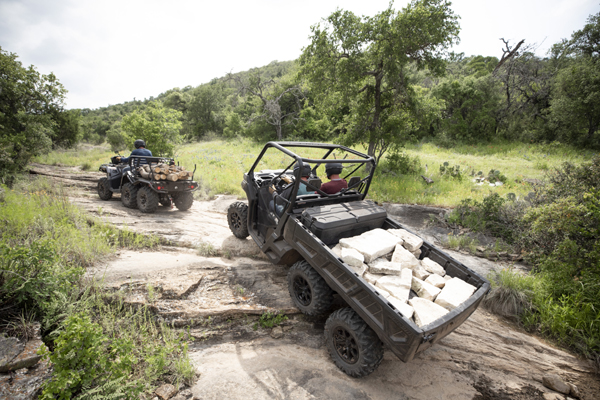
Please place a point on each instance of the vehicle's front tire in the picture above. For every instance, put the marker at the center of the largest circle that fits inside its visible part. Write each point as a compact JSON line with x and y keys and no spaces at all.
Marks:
{"x":354,"y":346}
{"x":309,"y":291}
{"x":129,"y":195}
{"x":184,"y":200}
{"x":147,"y":200}
{"x":104,"y":189}
{"x":237,"y":218}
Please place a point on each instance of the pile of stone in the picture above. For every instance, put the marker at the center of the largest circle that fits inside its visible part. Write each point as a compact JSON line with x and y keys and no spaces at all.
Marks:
{"x":389,"y":261}
{"x":163,"y":172}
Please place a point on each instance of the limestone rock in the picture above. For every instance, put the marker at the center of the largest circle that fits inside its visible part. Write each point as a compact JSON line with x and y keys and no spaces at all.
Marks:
{"x":277,"y":332}
{"x":454,"y":293}
{"x":166,"y":391}
{"x":352,"y":257}
{"x":420,"y":272}
{"x":372,"y":244}
{"x":385,"y":268}
{"x":337,"y":250}
{"x":426,"y":311}
{"x":447,"y":278}
{"x":416,"y":253}
{"x":406,"y":310}
{"x":411,"y":242}
{"x":552,"y":396}
{"x":10,"y":348}
{"x":424,"y":289}
{"x":574,"y":390}
{"x":28,"y":357}
{"x":391,"y":283}
{"x":404,"y":257}
{"x":433,"y":267}
{"x":555,"y":382}
{"x":436,"y":281}
{"x":360,"y":270}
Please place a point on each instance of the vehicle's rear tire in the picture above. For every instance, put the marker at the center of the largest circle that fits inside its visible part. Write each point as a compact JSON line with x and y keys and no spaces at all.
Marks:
{"x":184,"y":200}
{"x":354,"y":347}
{"x":104,"y":189}
{"x":129,"y":195}
{"x":147,"y":200}
{"x":309,"y":291}
{"x":237,"y":218}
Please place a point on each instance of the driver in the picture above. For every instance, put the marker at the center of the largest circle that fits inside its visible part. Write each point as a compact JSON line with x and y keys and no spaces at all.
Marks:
{"x":335,"y":184}
{"x":140,"y":150}
{"x":302,"y":190}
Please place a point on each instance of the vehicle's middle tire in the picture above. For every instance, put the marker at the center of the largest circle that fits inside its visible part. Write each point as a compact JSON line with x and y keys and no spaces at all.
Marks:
{"x":129,"y":195}
{"x":354,"y":347}
{"x":147,"y":200}
{"x":104,"y":189}
{"x":184,"y":200}
{"x":237,"y":218}
{"x":309,"y":291}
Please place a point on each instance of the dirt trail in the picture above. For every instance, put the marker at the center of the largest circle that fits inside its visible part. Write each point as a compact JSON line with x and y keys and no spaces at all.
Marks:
{"x":221,"y":299}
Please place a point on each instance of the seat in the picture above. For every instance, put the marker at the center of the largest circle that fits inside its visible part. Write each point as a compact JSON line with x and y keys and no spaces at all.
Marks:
{"x":353,"y":181}
{"x":315,"y":182}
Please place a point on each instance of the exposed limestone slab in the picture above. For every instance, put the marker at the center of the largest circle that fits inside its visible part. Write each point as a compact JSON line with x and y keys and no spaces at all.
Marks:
{"x":454,"y":293}
{"x":411,"y":242}
{"x":433,"y":267}
{"x":372,"y":244}
{"x":404,"y":257}
{"x":406,"y":310}
{"x":426,"y":311}
{"x":436,"y":281}
{"x":424,"y":289}
{"x":372,"y":278}
{"x":352,"y":257}
{"x":385,"y":268}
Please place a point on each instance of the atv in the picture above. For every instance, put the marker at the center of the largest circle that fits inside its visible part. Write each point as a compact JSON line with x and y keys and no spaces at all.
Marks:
{"x":143,"y":188}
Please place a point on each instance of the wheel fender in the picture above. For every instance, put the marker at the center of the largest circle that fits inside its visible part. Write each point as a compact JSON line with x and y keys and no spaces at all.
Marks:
{"x":130,"y":177}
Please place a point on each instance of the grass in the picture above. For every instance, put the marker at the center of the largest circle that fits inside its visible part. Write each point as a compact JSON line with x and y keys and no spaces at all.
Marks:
{"x":221,"y":164}
{"x":99,"y":347}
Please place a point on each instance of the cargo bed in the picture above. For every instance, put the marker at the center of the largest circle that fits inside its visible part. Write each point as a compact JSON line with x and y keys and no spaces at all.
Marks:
{"x":400,"y":334}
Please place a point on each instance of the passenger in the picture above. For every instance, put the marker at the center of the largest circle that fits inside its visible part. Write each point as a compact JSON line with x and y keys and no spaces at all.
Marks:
{"x":335,"y":183}
{"x":140,"y":150}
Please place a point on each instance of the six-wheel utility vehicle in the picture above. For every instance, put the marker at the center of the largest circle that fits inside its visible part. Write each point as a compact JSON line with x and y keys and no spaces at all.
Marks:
{"x":145,"y":193}
{"x":301,"y":232}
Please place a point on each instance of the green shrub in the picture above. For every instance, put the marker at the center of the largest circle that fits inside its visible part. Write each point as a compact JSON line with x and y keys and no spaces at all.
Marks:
{"x":511,"y":293}
{"x":401,"y":163}
{"x":269,"y":320}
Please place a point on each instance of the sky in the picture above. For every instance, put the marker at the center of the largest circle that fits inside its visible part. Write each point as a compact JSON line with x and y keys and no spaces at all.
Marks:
{"x":110,"y":51}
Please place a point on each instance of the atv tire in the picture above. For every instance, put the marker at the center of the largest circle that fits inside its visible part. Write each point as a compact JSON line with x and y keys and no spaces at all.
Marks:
{"x":104,"y":189}
{"x":309,"y":291}
{"x":129,"y":195}
{"x":237,"y":218}
{"x":184,"y":200}
{"x":147,"y":200}
{"x":353,"y":345}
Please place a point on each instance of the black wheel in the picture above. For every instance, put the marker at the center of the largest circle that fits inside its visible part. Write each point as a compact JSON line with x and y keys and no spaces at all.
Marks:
{"x":237,"y":218}
{"x":104,"y":189}
{"x":353,"y":345}
{"x":147,"y":200}
{"x":164,"y":200}
{"x":129,"y":195}
{"x":309,"y":291}
{"x":184,"y":201}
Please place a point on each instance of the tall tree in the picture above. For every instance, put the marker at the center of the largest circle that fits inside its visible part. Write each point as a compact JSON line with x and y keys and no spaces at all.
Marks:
{"x":280,"y":102}
{"x":358,"y":66}
{"x":157,"y":125}
{"x":28,"y":102}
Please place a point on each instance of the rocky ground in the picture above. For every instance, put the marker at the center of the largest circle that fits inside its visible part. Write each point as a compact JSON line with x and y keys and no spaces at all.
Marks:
{"x":219,"y":285}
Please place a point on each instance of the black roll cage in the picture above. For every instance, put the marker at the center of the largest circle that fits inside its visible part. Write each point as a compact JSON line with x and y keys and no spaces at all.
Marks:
{"x":364,"y":183}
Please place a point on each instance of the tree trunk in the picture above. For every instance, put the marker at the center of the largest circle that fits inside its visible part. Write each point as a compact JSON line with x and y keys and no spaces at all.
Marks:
{"x":278,"y":129}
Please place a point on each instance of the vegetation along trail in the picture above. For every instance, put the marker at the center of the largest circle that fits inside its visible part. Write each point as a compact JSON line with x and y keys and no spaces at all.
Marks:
{"x":225,"y":296}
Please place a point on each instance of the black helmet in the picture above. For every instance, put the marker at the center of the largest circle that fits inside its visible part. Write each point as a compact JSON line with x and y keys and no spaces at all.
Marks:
{"x":139,"y":143}
{"x":333,"y":169}
{"x":306,"y":170}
